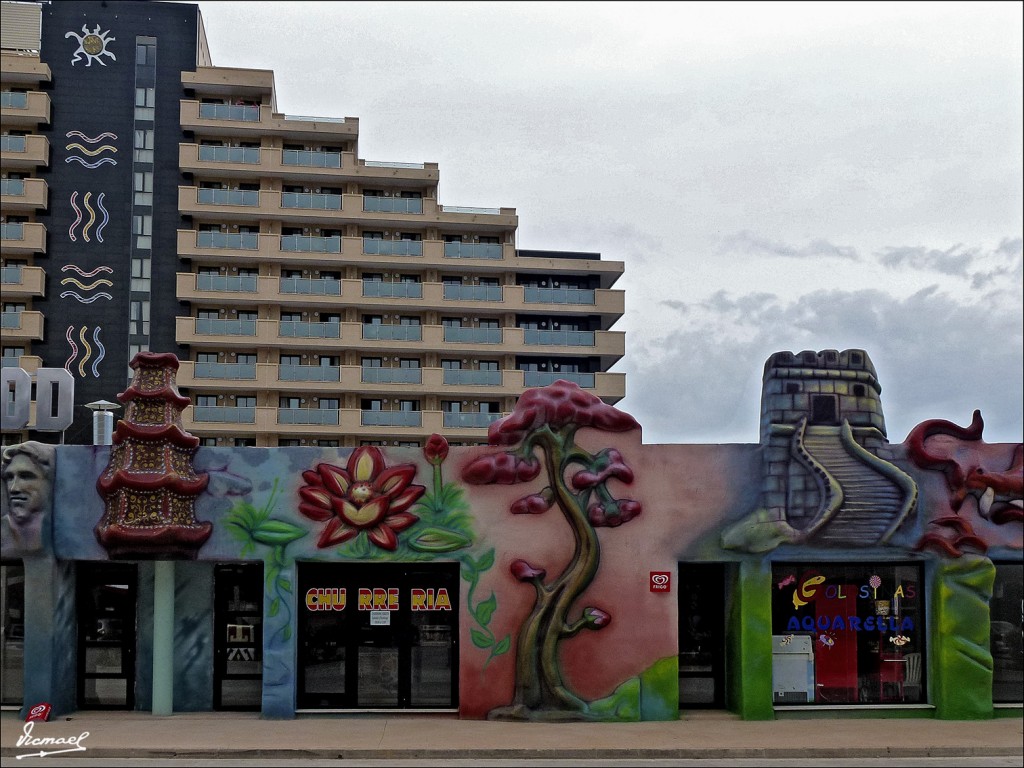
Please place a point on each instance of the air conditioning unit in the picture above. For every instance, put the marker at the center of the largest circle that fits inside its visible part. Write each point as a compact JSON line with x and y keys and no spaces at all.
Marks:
{"x":317,"y":190}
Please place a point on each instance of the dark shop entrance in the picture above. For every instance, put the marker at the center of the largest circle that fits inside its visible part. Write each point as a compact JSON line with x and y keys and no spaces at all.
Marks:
{"x":378,"y":636}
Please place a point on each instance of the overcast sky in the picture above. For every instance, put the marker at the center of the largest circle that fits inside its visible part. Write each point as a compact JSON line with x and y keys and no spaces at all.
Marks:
{"x":775,"y":176}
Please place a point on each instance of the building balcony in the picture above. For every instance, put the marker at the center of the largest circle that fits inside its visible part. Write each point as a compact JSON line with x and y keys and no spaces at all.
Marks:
{"x":230,"y":82}
{"x":28,"y":363}
{"x":301,"y":166}
{"x":20,"y":282}
{"x":232,"y":120}
{"x":26,"y":325}
{"x":23,"y":195}
{"x":22,"y":238}
{"x":24,"y":153}
{"x":22,"y":110}
{"x":23,"y":70}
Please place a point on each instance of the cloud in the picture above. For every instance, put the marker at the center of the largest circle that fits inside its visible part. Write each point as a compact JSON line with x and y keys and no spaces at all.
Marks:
{"x":750,"y":244}
{"x":984,"y":266}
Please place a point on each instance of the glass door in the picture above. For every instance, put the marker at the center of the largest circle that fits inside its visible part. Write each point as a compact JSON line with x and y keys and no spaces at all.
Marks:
{"x":12,"y":633}
{"x":238,"y":636}
{"x":106,"y":602}
{"x":702,"y":598}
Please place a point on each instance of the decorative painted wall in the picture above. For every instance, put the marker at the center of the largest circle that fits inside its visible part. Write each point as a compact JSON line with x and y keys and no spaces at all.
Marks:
{"x":557,"y":529}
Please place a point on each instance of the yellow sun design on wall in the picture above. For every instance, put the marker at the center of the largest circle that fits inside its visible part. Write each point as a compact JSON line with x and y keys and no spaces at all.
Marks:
{"x":92,"y":45}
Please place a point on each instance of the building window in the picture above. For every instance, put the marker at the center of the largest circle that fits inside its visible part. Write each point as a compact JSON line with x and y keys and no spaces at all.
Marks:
{"x":848,"y":633}
{"x":328,"y":443}
{"x":208,"y":442}
{"x":1007,"y":631}
{"x":139,"y":317}
{"x":245,"y":442}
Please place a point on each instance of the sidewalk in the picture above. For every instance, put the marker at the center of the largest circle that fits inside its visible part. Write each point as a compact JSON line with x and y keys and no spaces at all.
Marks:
{"x":412,"y":736}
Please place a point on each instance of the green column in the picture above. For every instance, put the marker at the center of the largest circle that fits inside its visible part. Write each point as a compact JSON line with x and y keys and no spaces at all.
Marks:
{"x":749,"y":688}
{"x":163,"y":637}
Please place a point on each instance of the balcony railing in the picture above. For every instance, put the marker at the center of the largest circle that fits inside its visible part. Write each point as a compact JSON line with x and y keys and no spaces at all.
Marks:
{"x":392,"y":204}
{"x":250,"y":197}
{"x":12,"y":231}
{"x":472,"y":335}
{"x":246,"y":113}
{"x":392,"y":375}
{"x":558,"y":295}
{"x":14,"y":100}
{"x":453,"y":292}
{"x":230,"y":283}
{"x":10,"y":319}
{"x":311,"y":158}
{"x":472,"y":250}
{"x":304,"y":330}
{"x":481,"y":420}
{"x":390,"y":418}
{"x":234,"y":371}
{"x":12,"y":144}
{"x":224,"y":413}
{"x":475,"y":378}
{"x":11,"y":275}
{"x":311,"y":244}
{"x":543,"y":378}
{"x":378,"y":288}
{"x":377,"y":247}
{"x":216,"y":326}
{"x":12,"y":187}
{"x":559,"y":338}
{"x":313,"y":201}
{"x":214,"y":154}
{"x":392,"y":332}
{"x":245,"y":241}
{"x":324,"y":416}
{"x":310,"y":286}
{"x":308,"y":373}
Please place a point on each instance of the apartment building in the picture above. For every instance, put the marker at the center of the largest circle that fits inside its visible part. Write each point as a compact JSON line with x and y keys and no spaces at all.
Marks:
{"x":154,"y":201}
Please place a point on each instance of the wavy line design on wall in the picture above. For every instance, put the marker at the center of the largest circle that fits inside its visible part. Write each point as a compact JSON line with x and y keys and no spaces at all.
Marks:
{"x":88,"y":352}
{"x":77,"y":296}
{"x":102,"y":354}
{"x":106,"y":216}
{"x":83,"y":273}
{"x":91,"y":152}
{"x":78,"y":216}
{"x":91,"y":166}
{"x":83,"y":286}
{"x":74,"y":349}
{"x":92,"y":216}
{"x":89,"y":139}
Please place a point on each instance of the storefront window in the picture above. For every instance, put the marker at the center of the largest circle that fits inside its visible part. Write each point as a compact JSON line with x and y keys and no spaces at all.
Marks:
{"x":12,"y":633}
{"x":1007,"y":625}
{"x":847,"y":633}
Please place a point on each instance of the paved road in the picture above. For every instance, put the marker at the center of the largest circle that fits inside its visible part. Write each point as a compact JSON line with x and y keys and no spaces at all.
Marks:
{"x":887,"y":762}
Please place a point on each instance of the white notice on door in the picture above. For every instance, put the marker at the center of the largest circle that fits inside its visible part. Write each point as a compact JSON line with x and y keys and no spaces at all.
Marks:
{"x":380,"y":618}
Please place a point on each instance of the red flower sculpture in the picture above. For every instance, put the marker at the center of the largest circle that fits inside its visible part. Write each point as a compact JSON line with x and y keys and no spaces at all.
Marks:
{"x":365,"y":496}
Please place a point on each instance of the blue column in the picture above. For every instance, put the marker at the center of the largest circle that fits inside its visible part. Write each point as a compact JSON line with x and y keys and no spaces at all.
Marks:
{"x":163,"y":637}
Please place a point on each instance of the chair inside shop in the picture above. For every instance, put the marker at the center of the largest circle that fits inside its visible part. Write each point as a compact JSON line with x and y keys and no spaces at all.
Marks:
{"x":912,"y":673}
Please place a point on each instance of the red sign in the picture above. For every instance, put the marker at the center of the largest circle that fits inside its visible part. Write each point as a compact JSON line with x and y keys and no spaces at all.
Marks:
{"x":661,"y":581}
{"x":38,"y":712}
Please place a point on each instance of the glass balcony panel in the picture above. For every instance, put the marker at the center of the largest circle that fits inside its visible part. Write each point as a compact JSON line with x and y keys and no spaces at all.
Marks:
{"x":482,"y":420}
{"x":308,"y":373}
{"x":310,"y":286}
{"x":13,"y":144}
{"x":392,"y":332}
{"x":246,"y":113}
{"x":392,"y":204}
{"x":481,"y":378}
{"x":302,"y":329}
{"x":12,"y":231}
{"x":559,"y":338}
{"x":375,"y":247}
{"x":394,"y":290}
{"x":324,"y":416}
{"x":473,"y":335}
{"x":209,"y":325}
{"x":558,"y":295}
{"x":311,"y":201}
{"x":472,"y":250}
{"x":228,"y":197}
{"x":14,"y":100}
{"x":231,"y":283}
{"x":11,"y":275}
{"x":223,"y":413}
{"x":10,"y":320}
{"x":311,"y":244}
{"x":215,"y":154}
{"x":235,"y":371}
{"x":392,"y":375}
{"x":243,"y":241}
{"x":454,"y":292}
{"x":311,"y":158}
{"x":543,"y":378}
{"x":12,"y":187}
{"x":390,"y":418}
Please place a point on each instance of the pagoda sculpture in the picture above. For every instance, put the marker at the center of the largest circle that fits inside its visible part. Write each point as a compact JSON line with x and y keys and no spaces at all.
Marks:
{"x":150,"y":485}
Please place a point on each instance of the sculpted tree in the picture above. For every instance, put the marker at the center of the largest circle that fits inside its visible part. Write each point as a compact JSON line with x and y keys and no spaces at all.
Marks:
{"x":545,"y":421}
